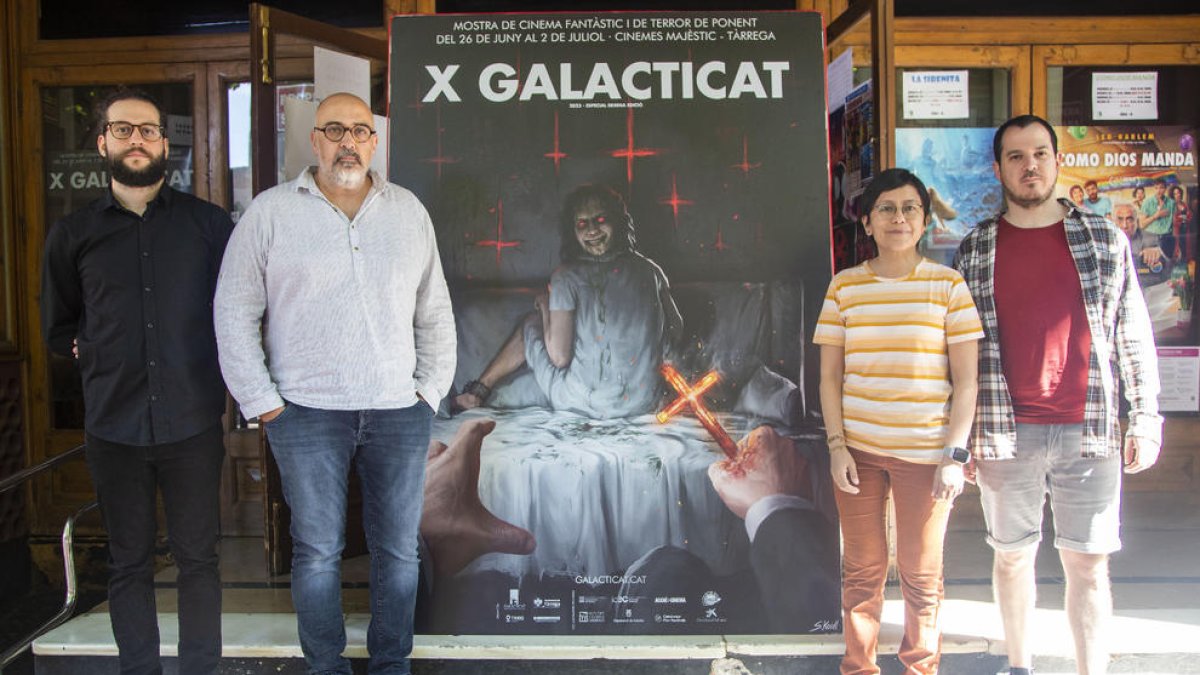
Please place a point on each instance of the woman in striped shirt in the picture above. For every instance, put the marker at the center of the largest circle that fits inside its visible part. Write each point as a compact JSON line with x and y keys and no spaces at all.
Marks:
{"x":899,"y":343}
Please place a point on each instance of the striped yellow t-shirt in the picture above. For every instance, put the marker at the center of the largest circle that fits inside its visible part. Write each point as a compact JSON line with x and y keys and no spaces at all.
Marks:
{"x":896,"y":387}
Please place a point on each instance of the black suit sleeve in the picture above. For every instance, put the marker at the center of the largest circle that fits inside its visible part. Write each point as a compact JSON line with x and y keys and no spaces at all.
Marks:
{"x":795,"y":559}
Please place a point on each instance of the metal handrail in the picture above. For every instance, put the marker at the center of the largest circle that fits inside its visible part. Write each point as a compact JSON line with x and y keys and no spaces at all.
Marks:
{"x":68,"y":536}
{"x":25,"y":474}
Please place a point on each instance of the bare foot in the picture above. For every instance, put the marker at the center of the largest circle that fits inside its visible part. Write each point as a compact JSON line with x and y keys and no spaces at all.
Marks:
{"x":456,"y":526}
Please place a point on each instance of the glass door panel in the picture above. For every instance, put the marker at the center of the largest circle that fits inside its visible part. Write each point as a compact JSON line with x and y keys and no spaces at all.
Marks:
{"x":946,"y":116}
{"x":1127,"y":141}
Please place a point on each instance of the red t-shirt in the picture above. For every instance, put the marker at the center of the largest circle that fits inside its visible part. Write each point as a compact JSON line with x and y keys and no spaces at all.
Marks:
{"x":1045,"y":343}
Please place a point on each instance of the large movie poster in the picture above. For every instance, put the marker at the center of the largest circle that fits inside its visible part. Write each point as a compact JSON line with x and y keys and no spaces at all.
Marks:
{"x":633,"y":216}
{"x":1143,"y":178}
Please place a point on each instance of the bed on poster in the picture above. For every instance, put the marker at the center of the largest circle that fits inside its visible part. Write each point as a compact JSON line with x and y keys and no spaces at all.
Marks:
{"x":711,"y":129}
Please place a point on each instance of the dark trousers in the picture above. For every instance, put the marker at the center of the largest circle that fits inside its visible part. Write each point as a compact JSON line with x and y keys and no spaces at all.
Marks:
{"x":127,"y":478}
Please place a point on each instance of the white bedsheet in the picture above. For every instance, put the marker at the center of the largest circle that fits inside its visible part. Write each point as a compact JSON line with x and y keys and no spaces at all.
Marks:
{"x":599,"y":494}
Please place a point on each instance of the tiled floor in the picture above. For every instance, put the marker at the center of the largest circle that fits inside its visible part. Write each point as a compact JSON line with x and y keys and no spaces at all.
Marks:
{"x":1156,"y":593}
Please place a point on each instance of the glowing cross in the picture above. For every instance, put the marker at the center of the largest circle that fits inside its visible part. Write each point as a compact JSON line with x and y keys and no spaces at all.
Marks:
{"x":745,"y":166}
{"x":557,"y":154}
{"x":439,"y":159}
{"x":675,"y":201}
{"x":499,"y":243}
{"x":416,"y":103}
{"x":720,"y":244}
{"x":630,"y":151}
{"x":690,"y":397}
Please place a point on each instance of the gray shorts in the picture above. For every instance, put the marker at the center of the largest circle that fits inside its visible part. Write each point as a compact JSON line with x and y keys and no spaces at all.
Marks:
{"x":1085,"y":493}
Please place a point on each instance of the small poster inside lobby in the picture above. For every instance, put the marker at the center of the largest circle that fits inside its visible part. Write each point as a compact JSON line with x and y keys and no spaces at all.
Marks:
{"x":1143,"y":178}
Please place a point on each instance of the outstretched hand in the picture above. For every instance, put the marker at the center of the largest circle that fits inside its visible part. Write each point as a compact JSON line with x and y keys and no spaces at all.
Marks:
{"x":455,"y":524}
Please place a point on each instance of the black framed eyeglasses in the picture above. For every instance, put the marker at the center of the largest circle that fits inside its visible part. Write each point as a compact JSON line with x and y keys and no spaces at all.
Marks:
{"x":123,"y":130}
{"x":335,"y":131}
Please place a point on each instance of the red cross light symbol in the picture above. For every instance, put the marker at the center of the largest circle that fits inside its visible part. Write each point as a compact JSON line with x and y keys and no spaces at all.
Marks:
{"x":689,"y":396}
{"x":499,"y":243}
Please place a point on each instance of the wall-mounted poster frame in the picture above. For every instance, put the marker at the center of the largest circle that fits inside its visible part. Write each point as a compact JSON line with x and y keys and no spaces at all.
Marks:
{"x":657,"y":180}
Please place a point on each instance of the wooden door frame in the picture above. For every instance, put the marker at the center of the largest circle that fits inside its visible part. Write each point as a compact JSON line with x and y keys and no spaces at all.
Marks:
{"x":238,"y":518}
{"x":1049,"y":56}
{"x":266,"y":25}
{"x":1176,"y":467}
{"x":876,"y":19}
{"x":1016,"y":59}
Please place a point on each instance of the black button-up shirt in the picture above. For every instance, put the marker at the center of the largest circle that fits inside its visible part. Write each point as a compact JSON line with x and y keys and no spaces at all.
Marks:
{"x":136,"y":291}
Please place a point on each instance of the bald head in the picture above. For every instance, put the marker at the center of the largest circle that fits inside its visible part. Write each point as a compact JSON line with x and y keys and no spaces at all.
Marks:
{"x":1126,"y":217}
{"x":340,"y":100}
{"x":343,"y":163}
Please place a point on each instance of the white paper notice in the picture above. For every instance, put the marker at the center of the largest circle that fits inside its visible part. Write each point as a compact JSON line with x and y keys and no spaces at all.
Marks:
{"x":379,"y":161}
{"x":840,"y":79}
{"x":1125,"y":96}
{"x":1179,"y":371}
{"x":336,"y":72}
{"x":300,"y":117}
{"x":936,"y":95}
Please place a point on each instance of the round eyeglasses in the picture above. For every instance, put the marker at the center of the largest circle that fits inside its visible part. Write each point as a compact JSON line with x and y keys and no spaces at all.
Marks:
{"x":335,"y":131}
{"x":124,"y":130}
{"x":909,"y":211}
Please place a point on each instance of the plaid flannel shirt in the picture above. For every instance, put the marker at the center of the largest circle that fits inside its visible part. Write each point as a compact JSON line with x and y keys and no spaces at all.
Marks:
{"x":1122,"y":339}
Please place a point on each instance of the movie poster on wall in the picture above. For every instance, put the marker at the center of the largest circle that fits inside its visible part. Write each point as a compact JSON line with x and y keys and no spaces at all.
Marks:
{"x":633,"y":217}
{"x":1143,"y":178}
{"x":955,"y":163}
{"x":852,"y":164}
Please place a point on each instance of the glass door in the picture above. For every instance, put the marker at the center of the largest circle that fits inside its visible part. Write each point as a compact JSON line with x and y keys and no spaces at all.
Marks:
{"x":946,"y":116}
{"x":1127,"y":119}
{"x":68,"y":174}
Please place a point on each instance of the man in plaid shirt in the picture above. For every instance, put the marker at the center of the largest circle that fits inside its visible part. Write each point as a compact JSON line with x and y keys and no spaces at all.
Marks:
{"x":1066,"y":330}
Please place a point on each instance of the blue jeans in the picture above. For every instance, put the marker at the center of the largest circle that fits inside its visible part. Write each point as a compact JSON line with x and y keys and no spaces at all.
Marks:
{"x":314,"y":450}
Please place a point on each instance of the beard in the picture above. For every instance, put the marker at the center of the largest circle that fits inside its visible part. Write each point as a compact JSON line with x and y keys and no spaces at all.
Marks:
{"x":144,"y":177}
{"x":348,"y":178}
{"x":1028,"y":202}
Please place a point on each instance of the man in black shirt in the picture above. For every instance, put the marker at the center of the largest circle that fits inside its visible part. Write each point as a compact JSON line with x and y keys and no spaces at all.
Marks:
{"x":127,"y":287}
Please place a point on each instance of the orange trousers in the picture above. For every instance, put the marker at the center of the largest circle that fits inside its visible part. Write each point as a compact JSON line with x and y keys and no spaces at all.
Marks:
{"x":920,"y":534}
